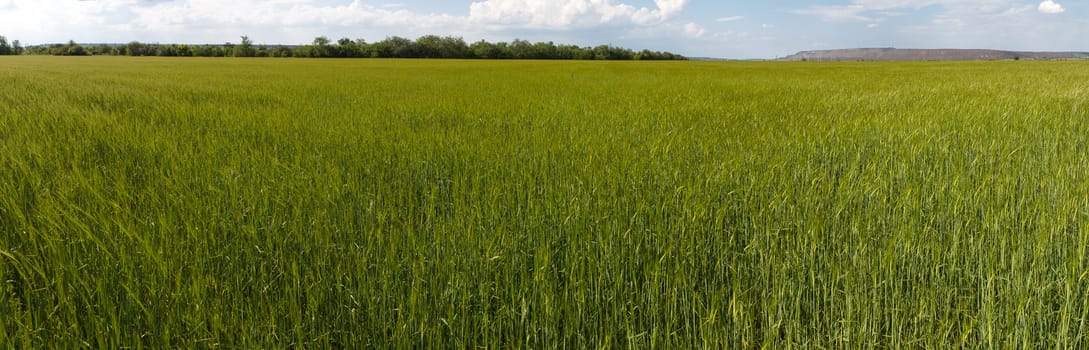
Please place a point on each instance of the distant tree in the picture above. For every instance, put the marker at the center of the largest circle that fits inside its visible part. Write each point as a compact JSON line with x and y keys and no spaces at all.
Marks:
{"x":431,"y":46}
{"x":520,"y":49}
{"x":363,"y":49}
{"x":4,"y":48}
{"x":101,"y":50}
{"x":72,"y":49}
{"x":582,"y":53}
{"x":208,"y":51}
{"x":184,"y":50}
{"x":381,"y":49}
{"x":280,"y":51}
{"x":165,"y":50}
{"x":455,"y":47}
{"x":609,"y":52}
{"x":346,"y":48}
{"x":245,"y":49}
{"x":135,"y":48}
{"x":546,"y":51}
{"x":228,"y":49}
{"x":486,"y":50}
{"x":216,"y":51}
{"x":197,"y":50}
{"x":320,"y":47}
{"x":399,"y":47}
{"x":428,"y":46}
{"x":571,"y":52}
{"x":601,"y":52}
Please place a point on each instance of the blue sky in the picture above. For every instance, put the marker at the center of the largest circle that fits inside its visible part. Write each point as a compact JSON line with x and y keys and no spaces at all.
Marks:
{"x":723,"y":28}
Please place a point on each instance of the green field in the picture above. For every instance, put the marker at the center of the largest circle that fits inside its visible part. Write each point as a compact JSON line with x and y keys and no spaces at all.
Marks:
{"x":257,"y":203}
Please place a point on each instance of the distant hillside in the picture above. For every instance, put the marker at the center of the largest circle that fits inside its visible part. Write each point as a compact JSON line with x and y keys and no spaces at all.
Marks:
{"x":890,"y":54}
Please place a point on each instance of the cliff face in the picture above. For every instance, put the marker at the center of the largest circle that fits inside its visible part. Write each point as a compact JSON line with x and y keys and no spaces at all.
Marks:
{"x":890,"y":54}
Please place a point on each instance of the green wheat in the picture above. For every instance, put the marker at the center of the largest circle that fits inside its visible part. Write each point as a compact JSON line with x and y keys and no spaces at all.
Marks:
{"x":150,"y":202}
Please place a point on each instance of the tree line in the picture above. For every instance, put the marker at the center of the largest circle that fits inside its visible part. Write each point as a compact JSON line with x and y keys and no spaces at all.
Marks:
{"x":14,"y":48}
{"x":428,"y":46}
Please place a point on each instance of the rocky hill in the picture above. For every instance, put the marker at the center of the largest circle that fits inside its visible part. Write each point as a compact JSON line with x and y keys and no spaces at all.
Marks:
{"x":891,"y":54}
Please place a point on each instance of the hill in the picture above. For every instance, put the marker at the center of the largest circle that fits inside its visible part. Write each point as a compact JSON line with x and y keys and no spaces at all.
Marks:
{"x":891,"y":54}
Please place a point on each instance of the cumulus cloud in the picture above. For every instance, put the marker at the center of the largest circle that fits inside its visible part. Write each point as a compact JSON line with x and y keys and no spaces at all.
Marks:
{"x":212,"y":21}
{"x":279,"y":12}
{"x":487,"y":15}
{"x":39,"y":20}
{"x":567,"y":14}
{"x":1050,"y":7}
{"x":299,"y":21}
{"x":693,"y":30}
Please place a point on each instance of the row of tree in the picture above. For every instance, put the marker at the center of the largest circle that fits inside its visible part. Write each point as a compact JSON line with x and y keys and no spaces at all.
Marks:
{"x":429,"y":46}
{"x":14,"y":48}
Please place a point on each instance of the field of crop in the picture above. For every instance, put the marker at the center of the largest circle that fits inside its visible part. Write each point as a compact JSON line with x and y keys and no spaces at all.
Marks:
{"x":254,"y":203}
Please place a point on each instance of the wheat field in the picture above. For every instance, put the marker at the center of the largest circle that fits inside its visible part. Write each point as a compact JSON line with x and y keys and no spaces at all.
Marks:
{"x":258,"y":203}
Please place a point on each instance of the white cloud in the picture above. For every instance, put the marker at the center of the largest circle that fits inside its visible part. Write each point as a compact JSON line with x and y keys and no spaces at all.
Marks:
{"x":636,"y":24}
{"x":689,"y":34}
{"x":876,"y":10}
{"x":693,"y":30}
{"x":730,"y":19}
{"x":837,"y":13}
{"x":1050,"y":7}
{"x":214,"y":21}
{"x":872,"y":25}
{"x":290,"y":13}
{"x":56,"y":20}
{"x":569,"y":14}
{"x":972,"y":5}
{"x":294,"y":21}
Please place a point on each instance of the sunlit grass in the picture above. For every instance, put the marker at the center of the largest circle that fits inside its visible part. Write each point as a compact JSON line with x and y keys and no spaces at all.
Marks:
{"x":383,"y":203}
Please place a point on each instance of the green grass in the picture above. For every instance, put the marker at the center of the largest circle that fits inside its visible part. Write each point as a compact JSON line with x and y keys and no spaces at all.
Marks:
{"x":257,"y":203}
